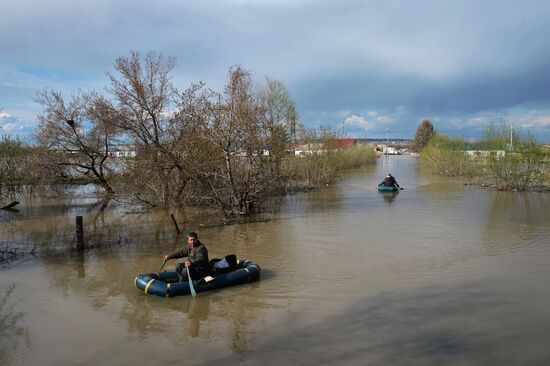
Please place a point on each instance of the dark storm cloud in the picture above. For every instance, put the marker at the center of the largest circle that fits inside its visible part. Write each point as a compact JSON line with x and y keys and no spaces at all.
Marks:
{"x":458,"y":63}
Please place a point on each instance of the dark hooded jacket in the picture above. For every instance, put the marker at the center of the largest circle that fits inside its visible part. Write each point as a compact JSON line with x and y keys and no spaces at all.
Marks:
{"x":390,"y":182}
{"x":197,"y":255}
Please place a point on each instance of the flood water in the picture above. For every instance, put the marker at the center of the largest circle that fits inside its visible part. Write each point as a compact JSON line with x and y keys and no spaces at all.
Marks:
{"x":440,"y":273}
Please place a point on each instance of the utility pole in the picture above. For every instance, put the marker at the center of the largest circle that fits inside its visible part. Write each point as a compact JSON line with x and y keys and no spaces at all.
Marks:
{"x":387,"y":142}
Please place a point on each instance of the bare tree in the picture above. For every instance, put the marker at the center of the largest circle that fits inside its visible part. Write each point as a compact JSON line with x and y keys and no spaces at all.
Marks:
{"x":190,"y":141}
{"x":15,"y":157}
{"x":142,"y":94}
{"x":241,"y":177}
{"x":196,"y":146}
{"x":74,"y":143}
{"x":140,"y":109}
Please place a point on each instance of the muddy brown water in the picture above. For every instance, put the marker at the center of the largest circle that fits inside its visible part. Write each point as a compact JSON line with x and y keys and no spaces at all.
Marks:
{"x":437,"y":274}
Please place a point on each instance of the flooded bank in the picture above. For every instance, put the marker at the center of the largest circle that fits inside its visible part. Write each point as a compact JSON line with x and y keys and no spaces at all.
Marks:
{"x":438,"y":273}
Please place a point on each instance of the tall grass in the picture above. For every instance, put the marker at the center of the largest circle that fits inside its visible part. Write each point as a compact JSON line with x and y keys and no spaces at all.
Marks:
{"x":324,"y":166}
{"x":357,"y":156}
{"x":446,"y":156}
{"x":508,"y":159}
{"x":515,"y":160}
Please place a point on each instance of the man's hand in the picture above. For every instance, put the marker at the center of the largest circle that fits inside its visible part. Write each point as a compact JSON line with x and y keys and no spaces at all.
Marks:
{"x":165,"y":258}
{"x":187,"y":263}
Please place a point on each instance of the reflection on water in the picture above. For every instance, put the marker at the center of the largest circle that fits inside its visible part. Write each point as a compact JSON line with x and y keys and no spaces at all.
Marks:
{"x":104,"y":281}
{"x":439,"y":273}
{"x":197,"y":311}
{"x":14,"y":337}
{"x":49,"y":224}
{"x":389,"y":197}
{"x":516,"y":221}
{"x":467,"y":324}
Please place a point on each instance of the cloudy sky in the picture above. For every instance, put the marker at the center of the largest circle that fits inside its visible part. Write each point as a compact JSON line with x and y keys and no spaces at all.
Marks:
{"x":363,"y":66}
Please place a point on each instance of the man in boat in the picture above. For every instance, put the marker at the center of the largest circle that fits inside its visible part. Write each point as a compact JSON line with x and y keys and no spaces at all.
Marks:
{"x":197,"y":258}
{"x":389,"y":181}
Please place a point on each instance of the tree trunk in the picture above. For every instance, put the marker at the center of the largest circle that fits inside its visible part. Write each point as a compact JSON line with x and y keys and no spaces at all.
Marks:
{"x":11,"y":205}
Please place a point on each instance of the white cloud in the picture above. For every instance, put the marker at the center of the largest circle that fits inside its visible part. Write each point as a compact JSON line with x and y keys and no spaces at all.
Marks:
{"x":359,"y":121}
{"x":14,"y":126}
{"x":376,"y":121}
{"x":8,"y":123}
{"x":531,"y":121}
{"x":5,"y":118}
{"x":339,"y":59}
{"x":10,"y":128}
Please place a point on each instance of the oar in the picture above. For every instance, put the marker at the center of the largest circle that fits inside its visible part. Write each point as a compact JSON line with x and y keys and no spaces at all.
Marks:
{"x":193,"y":293}
{"x":161,"y":267}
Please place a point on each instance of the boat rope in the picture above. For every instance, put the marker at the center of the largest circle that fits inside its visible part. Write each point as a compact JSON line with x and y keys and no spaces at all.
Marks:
{"x":149,"y":284}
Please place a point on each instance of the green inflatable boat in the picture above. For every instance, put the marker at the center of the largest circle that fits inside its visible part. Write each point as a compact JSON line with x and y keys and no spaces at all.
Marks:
{"x":387,"y":188}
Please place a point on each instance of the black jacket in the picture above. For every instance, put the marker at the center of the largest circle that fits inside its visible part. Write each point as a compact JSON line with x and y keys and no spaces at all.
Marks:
{"x":389,"y":182}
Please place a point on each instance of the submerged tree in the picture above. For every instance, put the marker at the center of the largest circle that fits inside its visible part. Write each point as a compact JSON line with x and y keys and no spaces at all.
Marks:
{"x":140,"y":110}
{"x":195,"y":146}
{"x":15,"y":164}
{"x":242,"y":175}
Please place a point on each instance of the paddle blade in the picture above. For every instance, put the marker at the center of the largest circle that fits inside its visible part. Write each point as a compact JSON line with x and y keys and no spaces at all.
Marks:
{"x":193,"y":293}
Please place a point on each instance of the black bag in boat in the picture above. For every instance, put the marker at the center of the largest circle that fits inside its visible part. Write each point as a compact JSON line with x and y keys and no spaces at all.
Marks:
{"x":224,"y":265}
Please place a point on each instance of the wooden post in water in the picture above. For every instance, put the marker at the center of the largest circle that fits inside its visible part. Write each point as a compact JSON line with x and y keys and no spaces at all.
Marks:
{"x":175,"y":223}
{"x":79,"y":233}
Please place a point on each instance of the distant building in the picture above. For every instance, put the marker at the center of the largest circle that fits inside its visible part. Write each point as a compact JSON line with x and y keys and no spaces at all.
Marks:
{"x":321,"y":147}
{"x":123,"y":151}
{"x":307,"y":149}
{"x":387,"y":150}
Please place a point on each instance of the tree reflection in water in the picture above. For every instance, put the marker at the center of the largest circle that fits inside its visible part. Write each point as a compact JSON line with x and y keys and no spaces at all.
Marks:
{"x":13,"y":336}
{"x":466,"y":324}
